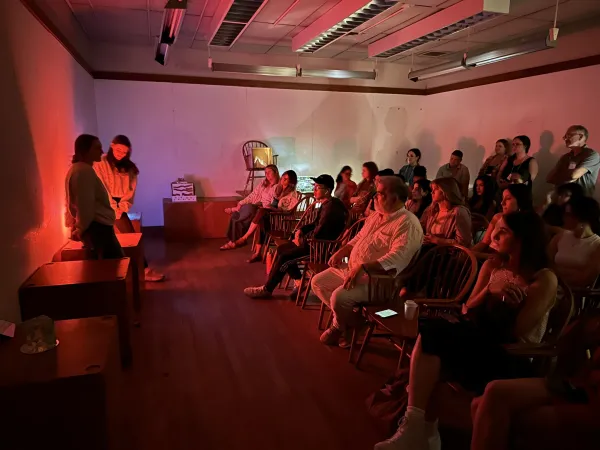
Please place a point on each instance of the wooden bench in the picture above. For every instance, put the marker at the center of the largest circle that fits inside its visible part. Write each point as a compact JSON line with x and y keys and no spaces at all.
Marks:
{"x":133,"y":246}
{"x":62,"y":397}
{"x":79,"y":289}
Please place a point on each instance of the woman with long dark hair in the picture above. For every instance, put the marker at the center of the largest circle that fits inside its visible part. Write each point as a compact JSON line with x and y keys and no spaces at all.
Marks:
{"x":261,"y":197}
{"x":365,"y":189}
{"x":510,"y":302}
{"x":576,"y":250}
{"x":447,"y":220}
{"x":345,"y":187}
{"x":413,"y":159}
{"x":482,"y":201}
{"x":520,"y":168}
{"x":420,"y":198}
{"x":89,"y":214}
{"x":119,"y":174}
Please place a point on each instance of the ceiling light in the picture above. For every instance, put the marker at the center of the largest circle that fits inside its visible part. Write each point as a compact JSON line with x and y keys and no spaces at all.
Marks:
{"x":438,"y":71}
{"x":254,"y":70}
{"x":450,"y":20}
{"x":342,"y":19}
{"x":339,"y":74}
{"x":171,"y":24}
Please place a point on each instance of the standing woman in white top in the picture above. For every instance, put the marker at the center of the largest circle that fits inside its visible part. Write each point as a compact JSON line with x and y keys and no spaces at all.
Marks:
{"x":246,"y":209}
{"x":576,"y":251}
{"x":119,"y":176}
{"x":88,"y":212}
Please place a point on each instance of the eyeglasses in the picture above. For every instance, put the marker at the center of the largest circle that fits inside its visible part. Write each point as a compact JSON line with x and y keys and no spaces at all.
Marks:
{"x":316,"y":187}
{"x":517,"y":144}
{"x":570,"y":135}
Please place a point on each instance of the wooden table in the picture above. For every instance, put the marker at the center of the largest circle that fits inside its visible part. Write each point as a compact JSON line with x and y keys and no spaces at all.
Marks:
{"x":396,"y":328}
{"x":61,"y":398}
{"x":204,"y":219}
{"x":79,"y":289}
{"x":133,"y":247}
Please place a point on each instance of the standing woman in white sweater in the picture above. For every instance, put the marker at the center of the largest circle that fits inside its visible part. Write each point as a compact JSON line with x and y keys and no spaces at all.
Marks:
{"x":119,"y":175}
{"x":88,"y":212}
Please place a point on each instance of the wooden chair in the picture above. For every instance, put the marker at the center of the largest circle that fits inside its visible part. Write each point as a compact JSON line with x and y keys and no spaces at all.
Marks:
{"x":283,"y":223}
{"x":320,"y":252}
{"x":253,"y":172}
{"x":587,"y":298}
{"x":440,"y":279}
{"x":479,"y":225}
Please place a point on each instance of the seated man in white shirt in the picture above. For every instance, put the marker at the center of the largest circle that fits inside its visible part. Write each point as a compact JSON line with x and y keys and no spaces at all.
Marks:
{"x":388,"y":241}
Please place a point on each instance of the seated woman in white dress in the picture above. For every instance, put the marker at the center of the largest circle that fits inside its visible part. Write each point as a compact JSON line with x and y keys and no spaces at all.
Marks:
{"x":576,"y":250}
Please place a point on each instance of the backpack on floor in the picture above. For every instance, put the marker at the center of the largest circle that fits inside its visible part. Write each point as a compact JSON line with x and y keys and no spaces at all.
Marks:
{"x":389,"y":403}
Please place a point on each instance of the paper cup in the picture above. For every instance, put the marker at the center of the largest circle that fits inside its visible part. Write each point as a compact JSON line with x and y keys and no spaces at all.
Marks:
{"x":410,"y":309}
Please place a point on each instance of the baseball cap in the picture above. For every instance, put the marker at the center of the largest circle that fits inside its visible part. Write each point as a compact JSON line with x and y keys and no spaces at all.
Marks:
{"x":325,"y":180}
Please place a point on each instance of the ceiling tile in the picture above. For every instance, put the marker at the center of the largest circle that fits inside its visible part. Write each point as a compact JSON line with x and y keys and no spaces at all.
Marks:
{"x":572,"y":11}
{"x":125,"y":4}
{"x":318,"y":11}
{"x":266,"y":32}
{"x":282,"y":50}
{"x":274,"y":9}
{"x":520,"y":8}
{"x":194,"y":7}
{"x":514,"y":28}
{"x":249,"y":48}
{"x":112,"y":21}
{"x":352,"y":56}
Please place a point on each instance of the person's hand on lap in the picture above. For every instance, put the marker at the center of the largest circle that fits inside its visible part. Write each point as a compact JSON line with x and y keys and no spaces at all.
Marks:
{"x":352,"y":276}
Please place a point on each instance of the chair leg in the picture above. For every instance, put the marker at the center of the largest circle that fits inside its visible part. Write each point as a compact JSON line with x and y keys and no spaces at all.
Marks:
{"x":266,"y":248}
{"x":330,"y":320}
{"x":307,"y":290}
{"x":355,"y":333}
{"x":287,"y":284}
{"x":321,"y":314}
{"x":401,"y":355}
{"x":300,"y":289}
{"x":284,"y":280}
{"x":365,"y":342}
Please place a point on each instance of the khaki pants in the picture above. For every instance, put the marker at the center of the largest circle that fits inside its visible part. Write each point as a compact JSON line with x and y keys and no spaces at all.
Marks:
{"x":328,"y":286}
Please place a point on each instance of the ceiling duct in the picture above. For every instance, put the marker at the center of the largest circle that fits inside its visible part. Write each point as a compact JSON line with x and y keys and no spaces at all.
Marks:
{"x":171,"y":24}
{"x":231,"y":19}
{"x":343,"y":18}
{"x":457,"y":17}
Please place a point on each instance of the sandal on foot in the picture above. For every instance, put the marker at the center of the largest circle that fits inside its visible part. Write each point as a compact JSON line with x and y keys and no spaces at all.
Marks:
{"x":229,"y":246}
{"x":255,"y":258}
{"x":240,"y":243}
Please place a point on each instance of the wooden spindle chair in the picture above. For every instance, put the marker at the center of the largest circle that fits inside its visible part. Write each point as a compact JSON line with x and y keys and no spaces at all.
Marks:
{"x":587,"y":298}
{"x":479,"y":225}
{"x":320,"y":253}
{"x":253,"y":172}
{"x":441,"y":279}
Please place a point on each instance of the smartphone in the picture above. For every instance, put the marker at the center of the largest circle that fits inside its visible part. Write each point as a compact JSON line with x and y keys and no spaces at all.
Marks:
{"x":386,"y":313}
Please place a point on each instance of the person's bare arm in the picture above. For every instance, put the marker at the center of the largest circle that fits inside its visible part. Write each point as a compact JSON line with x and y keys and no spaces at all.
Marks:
{"x":480,"y":290}
{"x":484,"y":244}
{"x":541,"y":294}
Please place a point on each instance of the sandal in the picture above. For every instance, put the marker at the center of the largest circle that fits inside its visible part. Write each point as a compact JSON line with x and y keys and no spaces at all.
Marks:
{"x":229,"y":246}
{"x":255,"y":258}
{"x":240,"y":243}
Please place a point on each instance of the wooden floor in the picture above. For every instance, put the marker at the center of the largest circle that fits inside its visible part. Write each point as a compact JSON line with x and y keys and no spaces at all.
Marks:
{"x":214,"y":369}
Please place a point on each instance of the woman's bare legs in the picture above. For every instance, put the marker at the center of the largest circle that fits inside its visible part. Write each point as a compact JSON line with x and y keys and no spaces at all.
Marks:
{"x":501,"y":401}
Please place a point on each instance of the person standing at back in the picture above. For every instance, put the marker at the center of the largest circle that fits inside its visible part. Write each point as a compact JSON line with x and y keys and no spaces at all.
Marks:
{"x":413,"y":158}
{"x":88,"y":212}
{"x":457,"y":170}
{"x":580,"y":165}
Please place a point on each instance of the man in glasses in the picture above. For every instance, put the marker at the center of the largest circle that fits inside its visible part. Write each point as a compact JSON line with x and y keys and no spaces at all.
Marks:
{"x":329,"y":223}
{"x":580,"y":165}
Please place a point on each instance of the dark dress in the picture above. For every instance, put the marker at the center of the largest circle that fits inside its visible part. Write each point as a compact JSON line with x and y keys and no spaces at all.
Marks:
{"x":522,"y":169}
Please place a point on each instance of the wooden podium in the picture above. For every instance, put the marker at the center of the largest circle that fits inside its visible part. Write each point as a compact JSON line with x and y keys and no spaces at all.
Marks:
{"x":203,"y":219}
{"x":65,"y":397}
{"x":79,"y":289}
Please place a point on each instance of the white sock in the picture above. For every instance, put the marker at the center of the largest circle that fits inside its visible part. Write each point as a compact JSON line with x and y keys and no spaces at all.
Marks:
{"x":431,"y":427}
{"x":415,"y":413}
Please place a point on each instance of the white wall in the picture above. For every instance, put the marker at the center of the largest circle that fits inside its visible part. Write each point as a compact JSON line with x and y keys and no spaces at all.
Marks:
{"x":198,"y":131}
{"x":540,"y":107}
{"x":47,"y":100}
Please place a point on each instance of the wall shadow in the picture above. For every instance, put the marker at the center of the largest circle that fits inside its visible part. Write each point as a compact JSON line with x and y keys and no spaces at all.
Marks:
{"x":546,"y":161}
{"x":393,"y":153}
{"x":20,"y":180}
{"x":431,"y":152}
{"x":473,"y":154}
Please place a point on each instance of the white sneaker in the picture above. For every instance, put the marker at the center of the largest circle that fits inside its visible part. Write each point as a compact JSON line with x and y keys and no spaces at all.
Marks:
{"x":433,"y":435}
{"x":409,"y":436}
{"x":257,"y":292}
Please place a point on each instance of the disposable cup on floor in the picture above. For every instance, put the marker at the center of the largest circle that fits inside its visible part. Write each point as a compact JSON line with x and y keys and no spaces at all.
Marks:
{"x":410,"y":309}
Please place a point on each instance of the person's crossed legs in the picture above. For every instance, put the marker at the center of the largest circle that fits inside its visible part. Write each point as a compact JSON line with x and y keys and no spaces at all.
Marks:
{"x":329,"y":287}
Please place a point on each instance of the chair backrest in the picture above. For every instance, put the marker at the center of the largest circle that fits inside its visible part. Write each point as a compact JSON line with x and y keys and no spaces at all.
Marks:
{"x":444,"y":272}
{"x":308,"y":216}
{"x":479,"y":224}
{"x":302,"y":206}
{"x":321,"y":250}
{"x":352,"y":231}
{"x":560,"y":314}
{"x":247,"y":152}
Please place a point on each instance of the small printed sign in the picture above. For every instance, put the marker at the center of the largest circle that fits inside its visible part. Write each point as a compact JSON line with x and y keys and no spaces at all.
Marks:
{"x":183,"y":198}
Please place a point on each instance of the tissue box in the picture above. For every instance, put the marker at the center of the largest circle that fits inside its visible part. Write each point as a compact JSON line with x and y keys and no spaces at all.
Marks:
{"x":183,"y":191}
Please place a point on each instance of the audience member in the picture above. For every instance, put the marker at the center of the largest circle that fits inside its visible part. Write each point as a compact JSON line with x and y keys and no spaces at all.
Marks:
{"x":285,"y":199}
{"x":328,"y":225}
{"x":515,"y":198}
{"x":482,"y":201}
{"x":413,"y":158}
{"x":366,"y":188}
{"x":510,"y":302}
{"x":388,"y":241}
{"x":457,"y":170}
{"x":88,"y":213}
{"x":447,"y":220}
{"x":382,"y":173}
{"x":345,"y":187}
{"x":580,"y":165}
{"x":246,"y":209}
{"x":576,"y":250}
{"x":520,"y":167}
{"x":119,"y":176}
{"x":492,"y":164}
{"x":420,"y":173}
{"x":553,"y":211}
{"x":421,"y":197}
